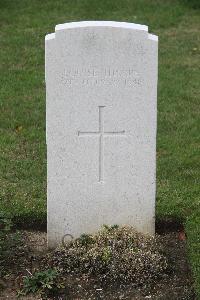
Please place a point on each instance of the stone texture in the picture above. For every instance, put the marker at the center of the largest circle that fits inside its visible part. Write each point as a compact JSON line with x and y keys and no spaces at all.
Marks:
{"x":101,"y":90}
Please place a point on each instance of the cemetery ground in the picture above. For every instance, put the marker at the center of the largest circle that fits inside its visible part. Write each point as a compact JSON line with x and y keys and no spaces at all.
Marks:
{"x":22,"y":102}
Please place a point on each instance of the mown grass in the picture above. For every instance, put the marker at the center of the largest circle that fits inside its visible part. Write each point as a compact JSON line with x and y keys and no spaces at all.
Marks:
{"x":24,"y":24}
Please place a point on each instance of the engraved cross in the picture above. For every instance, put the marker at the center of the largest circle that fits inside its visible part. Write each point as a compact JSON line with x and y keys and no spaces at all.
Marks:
{"x":101,"y":134}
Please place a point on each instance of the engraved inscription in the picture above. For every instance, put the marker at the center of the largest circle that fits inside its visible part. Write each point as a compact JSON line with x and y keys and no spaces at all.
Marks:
{"x":101,"y":134}
{"x":100,"y":76}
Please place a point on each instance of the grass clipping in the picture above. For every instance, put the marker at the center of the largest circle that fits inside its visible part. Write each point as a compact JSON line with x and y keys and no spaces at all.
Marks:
{"x":114,"y":254}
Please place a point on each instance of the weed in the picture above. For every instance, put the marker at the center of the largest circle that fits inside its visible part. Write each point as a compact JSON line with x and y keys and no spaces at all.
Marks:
{"x":42,"y":282}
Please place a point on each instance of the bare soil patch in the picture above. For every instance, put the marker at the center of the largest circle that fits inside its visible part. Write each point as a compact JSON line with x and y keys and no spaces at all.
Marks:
{"x":176,"y":283}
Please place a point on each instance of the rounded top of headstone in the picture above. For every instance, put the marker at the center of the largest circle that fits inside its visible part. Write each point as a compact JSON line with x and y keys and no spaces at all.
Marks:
{"x":101,"y":24}
{"x":108,"y":24}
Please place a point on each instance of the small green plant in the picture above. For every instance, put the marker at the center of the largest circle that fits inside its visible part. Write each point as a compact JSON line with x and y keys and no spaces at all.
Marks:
{"x":10,"y":246}
{"x":5,"y":223}
{"x":110,"y":228}
{"x":106,"y":255}
{"x":41,"y":282}
{"x":85,"y":239}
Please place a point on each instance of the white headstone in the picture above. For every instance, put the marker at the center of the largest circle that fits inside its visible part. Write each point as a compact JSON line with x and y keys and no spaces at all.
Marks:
{"x":101,"y":89}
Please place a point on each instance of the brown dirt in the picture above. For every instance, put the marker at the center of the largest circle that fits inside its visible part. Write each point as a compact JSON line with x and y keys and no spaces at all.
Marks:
{"x":176,"y":285}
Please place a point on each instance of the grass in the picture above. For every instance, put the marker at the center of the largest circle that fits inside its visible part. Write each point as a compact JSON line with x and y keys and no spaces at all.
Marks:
{"x":24,"y":24}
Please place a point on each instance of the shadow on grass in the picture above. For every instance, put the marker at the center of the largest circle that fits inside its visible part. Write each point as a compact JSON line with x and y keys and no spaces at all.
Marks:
{"x":195,"y":4}
{"x":168,"y":225}
{"x":26,"y":221}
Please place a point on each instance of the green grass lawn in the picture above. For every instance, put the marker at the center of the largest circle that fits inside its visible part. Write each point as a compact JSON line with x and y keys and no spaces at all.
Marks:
{"x":24,"y":24}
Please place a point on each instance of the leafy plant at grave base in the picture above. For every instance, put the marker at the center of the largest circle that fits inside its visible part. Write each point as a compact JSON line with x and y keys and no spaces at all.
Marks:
{"x":107,"y":254}
{"x":109,"y":228}
{"x":85,"y":239}
{"x":45,"y":282}
{"x":11,"y":246}
{"x":113,"y":254}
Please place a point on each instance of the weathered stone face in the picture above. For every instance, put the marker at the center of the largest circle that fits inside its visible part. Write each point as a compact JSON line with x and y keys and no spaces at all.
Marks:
{"x":101,"y":86}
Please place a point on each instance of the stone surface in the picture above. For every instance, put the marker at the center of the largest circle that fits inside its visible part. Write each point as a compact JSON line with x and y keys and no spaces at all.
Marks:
{"x":101,"y":90}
